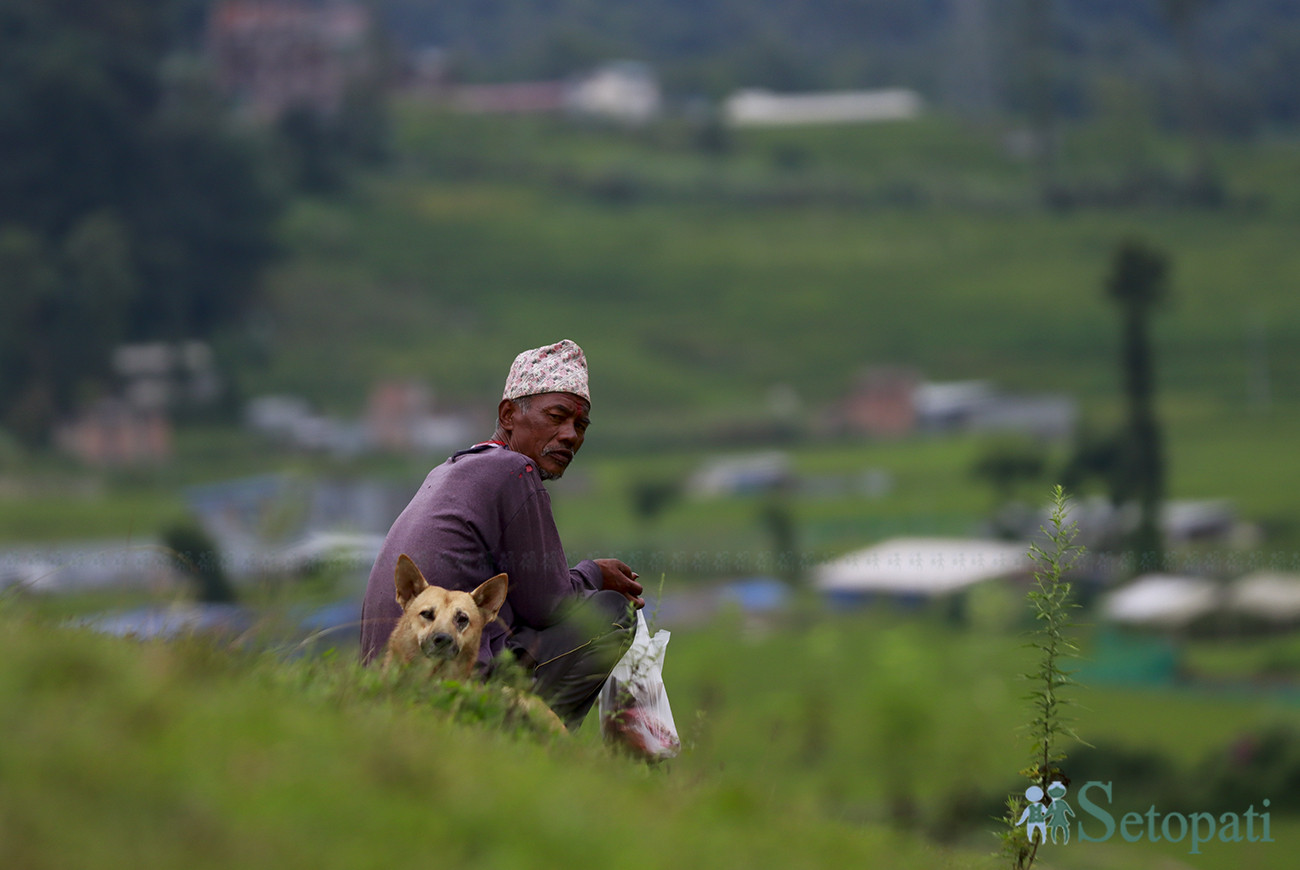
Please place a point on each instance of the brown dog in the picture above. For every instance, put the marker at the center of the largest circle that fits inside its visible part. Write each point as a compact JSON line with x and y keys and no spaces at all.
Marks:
{"x":444,"y":626}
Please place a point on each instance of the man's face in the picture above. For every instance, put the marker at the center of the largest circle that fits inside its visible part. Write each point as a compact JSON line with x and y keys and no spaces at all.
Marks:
{"x":549,"y":432}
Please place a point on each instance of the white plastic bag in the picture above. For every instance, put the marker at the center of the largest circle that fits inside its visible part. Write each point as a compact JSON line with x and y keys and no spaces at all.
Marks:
{"x":634,"y":710}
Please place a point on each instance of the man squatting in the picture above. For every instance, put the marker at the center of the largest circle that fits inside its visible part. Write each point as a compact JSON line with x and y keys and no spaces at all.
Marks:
{"x":484,"y":511}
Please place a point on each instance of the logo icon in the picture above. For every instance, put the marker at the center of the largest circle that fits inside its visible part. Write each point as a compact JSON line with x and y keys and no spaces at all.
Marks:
{"x":1046,"y":812}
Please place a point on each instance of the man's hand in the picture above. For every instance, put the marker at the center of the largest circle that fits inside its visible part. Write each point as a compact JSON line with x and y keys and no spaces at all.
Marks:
{"x":619,"y":577}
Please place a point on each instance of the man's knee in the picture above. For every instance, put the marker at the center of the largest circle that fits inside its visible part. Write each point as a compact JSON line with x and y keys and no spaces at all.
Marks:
{"x":614,"y":608}
{"x":602,"y":613}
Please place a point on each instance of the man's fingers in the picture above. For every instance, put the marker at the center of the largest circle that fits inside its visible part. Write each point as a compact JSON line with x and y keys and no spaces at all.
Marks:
{"x":621,"y":578}
{"x":632,"y":590}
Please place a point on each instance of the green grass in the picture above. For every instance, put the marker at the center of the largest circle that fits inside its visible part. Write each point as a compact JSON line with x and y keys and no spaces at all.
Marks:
{"x":126,"y":755}
{"x":45,"y":519}
{"x":813,"y":741}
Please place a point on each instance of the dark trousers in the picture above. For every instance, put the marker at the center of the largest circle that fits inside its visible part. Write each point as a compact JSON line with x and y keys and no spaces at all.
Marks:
{"x":572,"y":659}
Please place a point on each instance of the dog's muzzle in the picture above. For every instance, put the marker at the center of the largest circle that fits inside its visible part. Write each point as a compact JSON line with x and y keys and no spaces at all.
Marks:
{"x":440,"y":646}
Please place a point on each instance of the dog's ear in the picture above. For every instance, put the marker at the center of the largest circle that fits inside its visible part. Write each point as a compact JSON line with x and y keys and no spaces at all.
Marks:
{"x":490,"y":595}
{"x":408,"y":580}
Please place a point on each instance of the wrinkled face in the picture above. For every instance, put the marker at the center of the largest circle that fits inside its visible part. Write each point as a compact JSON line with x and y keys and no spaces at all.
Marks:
{"x":442,"y":625}
{"x":548,"y":429}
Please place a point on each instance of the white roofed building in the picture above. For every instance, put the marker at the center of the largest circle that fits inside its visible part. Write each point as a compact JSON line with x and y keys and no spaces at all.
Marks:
{"x":919,"y":569}
{"x":756,"y":107}
{"x":1162,"y":601}
{"x":1267,"y":596}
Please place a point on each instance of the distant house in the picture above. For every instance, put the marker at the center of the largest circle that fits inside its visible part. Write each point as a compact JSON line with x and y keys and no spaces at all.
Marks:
{"x":158,"y":375}
{"x":1043,"y":416}
{"x":742,"y":475}
{"x":883,"y":403}
{"x":920,"y":569}
{"x":950,"y":404}
{"x":625,"y":91}
{"x":1262,"y":598}
{"x":512,"y":98}
{"x":273,"y":55}
{"x":1267,"y":596}
{"x":1188,"y":520}
{"x":1162,"y":601}
{"x":400,"y":418}
{"x":132,"y":426}
{"x":895,"y":401}
{"x":113,"y":432}
{"x":290,"y":420}
{"x":392,"y":412}
{"x":756,"y":107}
{"x":977,"y":406}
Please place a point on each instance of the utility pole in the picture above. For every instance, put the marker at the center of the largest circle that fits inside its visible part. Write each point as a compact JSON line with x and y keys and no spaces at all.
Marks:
{"x":1138,"y":283}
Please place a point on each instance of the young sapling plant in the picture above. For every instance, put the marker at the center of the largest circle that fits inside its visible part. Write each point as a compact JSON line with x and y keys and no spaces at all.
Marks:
{"x":1050,"y":601}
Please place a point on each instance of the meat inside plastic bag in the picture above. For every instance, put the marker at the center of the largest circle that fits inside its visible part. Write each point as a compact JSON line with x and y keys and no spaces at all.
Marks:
{"x":634,"y":709}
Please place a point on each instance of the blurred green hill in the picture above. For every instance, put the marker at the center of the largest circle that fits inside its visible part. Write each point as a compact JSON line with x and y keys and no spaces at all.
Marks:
{"x":730,"y":285}
{"x":699,"y":280}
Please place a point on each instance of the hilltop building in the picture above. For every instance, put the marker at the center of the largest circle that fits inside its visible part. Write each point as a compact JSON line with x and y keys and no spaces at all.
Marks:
{"x":760,"y":108}
{"x":132,"y":425}
{"x":113,"y":432}
{"x":891,"y":401}
{"x":916,"y":570}
{"x":274,"y":55}
{"x":622,"y":91}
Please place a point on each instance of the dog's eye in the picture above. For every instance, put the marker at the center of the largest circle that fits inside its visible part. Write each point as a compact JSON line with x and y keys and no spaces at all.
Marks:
{"x":462,"y":621}
{"x":428,"y":614}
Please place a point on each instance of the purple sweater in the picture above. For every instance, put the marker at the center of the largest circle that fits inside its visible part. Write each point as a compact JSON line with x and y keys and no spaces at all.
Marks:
{"x":482,"y":512}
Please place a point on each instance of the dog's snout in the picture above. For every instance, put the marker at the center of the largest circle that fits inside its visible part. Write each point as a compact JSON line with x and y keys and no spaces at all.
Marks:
{"x":441,"y":644}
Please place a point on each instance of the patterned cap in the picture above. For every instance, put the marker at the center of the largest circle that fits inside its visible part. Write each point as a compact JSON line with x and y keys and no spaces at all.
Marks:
{"x":552,"y":368}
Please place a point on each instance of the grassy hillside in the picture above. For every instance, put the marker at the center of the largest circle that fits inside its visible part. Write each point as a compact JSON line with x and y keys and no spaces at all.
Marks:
{"x":700,"y":273}
{"x":125,"y":755}
{"x":858,"y":739}
{"x":698,"y":280}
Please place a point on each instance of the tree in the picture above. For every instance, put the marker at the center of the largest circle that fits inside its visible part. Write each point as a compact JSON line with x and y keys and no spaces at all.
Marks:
{"x":123,"y":214}
{"x":1006,"y":464}
{"x":196,"y":555}
{"x":31,"y":284}
{"x":1138,"y":284}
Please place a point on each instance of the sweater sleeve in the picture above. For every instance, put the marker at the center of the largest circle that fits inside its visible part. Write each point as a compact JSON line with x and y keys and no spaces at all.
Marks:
{"x":587,"y":574}
{"x":531,"y":554}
